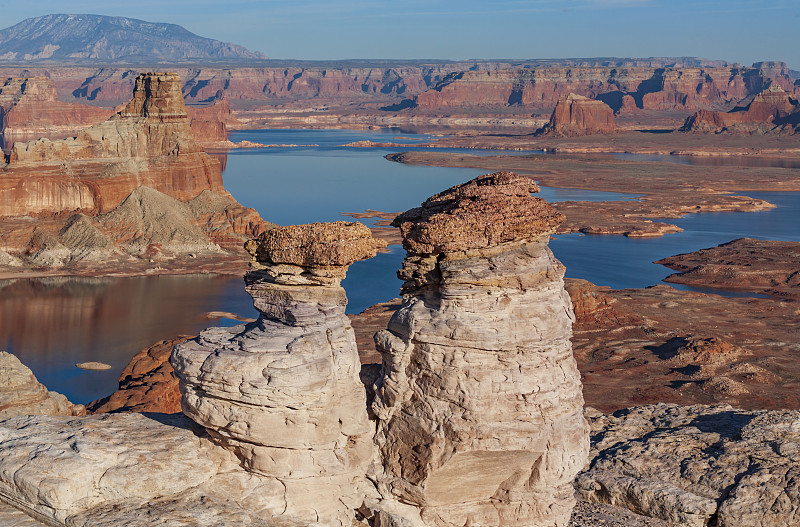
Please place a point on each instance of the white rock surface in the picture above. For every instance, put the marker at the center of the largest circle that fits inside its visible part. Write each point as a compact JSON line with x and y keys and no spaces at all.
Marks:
{"x":283,"y":393}
{"x":22,"y":394}
{"x":697,"y":465}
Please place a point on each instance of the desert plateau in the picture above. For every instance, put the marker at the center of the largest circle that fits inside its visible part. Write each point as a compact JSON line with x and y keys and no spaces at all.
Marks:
{"x":316,"y":279}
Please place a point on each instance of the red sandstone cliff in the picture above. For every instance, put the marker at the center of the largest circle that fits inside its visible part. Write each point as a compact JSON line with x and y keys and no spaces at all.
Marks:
{"x":148,"y":143}
{"x":399,"y":92}
{"x":575,"y":115}
{"x":126,"y":191}
{"x":209,"y":123}
{"x":623,"y":88}
{"x":651,"y":84}
{"x":29,"y":107}
{"x":769,"y":110}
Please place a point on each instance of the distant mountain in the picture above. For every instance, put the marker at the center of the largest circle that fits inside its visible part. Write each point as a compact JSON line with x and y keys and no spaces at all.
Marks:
{"x":79,"y":38}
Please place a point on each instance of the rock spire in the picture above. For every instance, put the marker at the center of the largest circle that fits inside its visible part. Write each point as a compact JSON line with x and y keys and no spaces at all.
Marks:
{"x":283,"y":393}
{"x":148,"y":143}
{"x":479,"y":404}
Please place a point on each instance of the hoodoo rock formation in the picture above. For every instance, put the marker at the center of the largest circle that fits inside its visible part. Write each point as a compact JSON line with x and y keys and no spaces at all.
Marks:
{"x":575,"y":115}
{"x":771,"y":109}
{"x":479,"y":403}
{"x":284,"y":393}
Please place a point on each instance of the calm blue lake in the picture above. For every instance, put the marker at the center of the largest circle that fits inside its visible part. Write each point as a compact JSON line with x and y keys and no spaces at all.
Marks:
{"x":52,"y":324}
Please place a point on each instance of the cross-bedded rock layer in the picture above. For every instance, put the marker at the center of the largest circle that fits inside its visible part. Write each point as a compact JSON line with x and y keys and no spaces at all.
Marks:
{"x":283,"y":393}
{"x":22,"y":394}
{"x":479,"y":404}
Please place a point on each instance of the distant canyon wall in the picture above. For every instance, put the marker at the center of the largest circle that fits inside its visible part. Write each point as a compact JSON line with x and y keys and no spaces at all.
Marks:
{"x":624,"y":89}
{"x":30,"y":108}
{"x":533,"y":87}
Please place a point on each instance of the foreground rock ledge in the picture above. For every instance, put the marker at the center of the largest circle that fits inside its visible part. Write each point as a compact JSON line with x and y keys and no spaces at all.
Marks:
{"x":479,"y":403}
{"x":697,"y":465}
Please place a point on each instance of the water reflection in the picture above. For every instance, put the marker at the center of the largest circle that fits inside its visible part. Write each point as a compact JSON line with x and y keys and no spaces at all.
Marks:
{"x":53,"y":323}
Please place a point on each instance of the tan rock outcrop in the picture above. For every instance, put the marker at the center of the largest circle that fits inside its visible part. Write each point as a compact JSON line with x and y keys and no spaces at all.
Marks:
{"x":479,"y":404}
{"x":283,"y":393}
{"x":697,"y":465}
{"x":128,"y":469}
{"x":22,"y":394}
{"x":575,"y":115}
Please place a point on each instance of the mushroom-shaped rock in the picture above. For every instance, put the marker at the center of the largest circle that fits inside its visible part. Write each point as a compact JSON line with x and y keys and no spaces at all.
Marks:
{"x":479,"y":402}
{"x":339,"y":243}
{"x":485,"y":212}
{"x":284,"y":393}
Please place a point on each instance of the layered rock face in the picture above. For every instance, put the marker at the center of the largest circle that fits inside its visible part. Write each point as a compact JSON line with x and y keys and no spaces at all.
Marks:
{"x":283,"y":393}
{"x":29,"y":106}
{"x":479,"y":404}
{"x":575,"y":115}
{"x":127,"y":469}
{"x":626,"y":86}
{"x":209,"y":123}
{"x":768,"y":110}
{"x":125,"y":191}
{"x":147,"y":229}
{"x":148,"y":143}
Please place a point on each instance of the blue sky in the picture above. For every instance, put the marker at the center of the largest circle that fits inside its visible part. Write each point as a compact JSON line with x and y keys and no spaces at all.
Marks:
{"x":735,"y":30}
